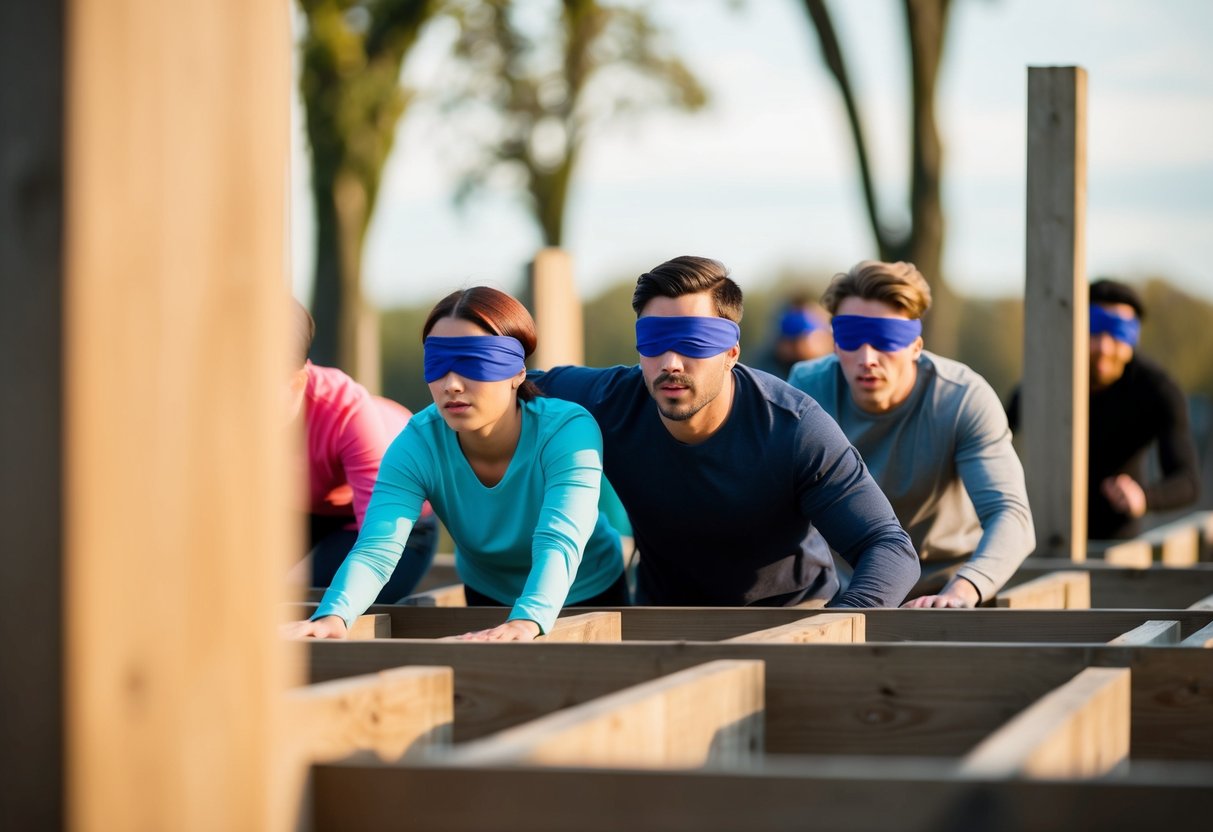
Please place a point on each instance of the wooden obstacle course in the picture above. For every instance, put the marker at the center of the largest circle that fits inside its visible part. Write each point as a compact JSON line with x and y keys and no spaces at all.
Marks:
{"x":1151,"y":632}
{"x":839,"y":628}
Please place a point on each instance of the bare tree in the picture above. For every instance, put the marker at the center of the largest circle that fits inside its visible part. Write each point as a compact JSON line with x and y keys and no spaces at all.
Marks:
{"x":921,"y":241}
{"x":352,"y":54}
{"x":541,"y":92}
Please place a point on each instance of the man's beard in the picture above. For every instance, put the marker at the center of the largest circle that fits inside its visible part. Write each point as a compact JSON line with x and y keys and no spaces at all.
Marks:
{"x":685,"y":410}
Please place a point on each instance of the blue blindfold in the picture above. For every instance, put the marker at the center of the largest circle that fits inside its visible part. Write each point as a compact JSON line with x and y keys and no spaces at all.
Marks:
{"x":690,"y":336}
{"x":796,"y":322}
{"x":478,"y":357}
{"x":885,"y":334}
{"x":1127,"y":330}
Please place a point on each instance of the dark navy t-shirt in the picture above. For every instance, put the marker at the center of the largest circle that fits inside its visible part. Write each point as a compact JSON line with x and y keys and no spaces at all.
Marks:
{"x":730,"y":521}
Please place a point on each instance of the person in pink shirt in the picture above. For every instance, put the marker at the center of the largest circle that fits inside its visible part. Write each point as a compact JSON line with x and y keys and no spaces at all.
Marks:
{"x":347,"y":431}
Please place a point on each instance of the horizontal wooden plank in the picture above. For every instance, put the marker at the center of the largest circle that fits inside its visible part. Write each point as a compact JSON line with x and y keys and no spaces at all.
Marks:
{"x":881,"y":625}
{"x":1205,"y":603}
{"x":784,"y":795}
{"x":710,"y":714}
{"x":391,"y":712}
{"x":836,"y":628}
{"x":1113,"y":587}
{"x":1131,"y":554}
{"x":910,"y":699}
{"x":371,"y":626}
{"x":1080,"y":729}
{"x":1067,"y":590}
{"x":1152,"y":632}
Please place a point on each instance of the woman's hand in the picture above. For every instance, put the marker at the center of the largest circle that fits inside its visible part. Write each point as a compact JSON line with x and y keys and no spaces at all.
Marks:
{"x":518,"y":629}
{"x":331,"y":626}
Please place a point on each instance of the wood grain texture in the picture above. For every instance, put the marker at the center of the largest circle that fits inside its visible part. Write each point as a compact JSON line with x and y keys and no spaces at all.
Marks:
{"x":1081,"y":729}
{"x":176,"y":350}
{"x":1117,"y":588}
{"x":585,"y":628}
{"x":835,"y":628}
{"x":1058,"y":590}
{"x":780,"y":797}
{"x":710,"y":714}
{"x":1152,"y":632}
{"x":909,"y":699}
{"x":1053,"y":403}
{"x":391,"y":713}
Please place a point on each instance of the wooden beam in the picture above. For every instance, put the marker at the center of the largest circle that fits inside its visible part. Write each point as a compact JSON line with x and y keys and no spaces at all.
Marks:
{"x":1053,"y":399}
{"x":557,"y":309}
{"x":1201,"y":638}
{"x":1152,"y":632}
{"x":1059,"y":590}
{"x":32,"y":691}
{"x":440,"y":596}
{"x":705,"y":715}
{"x":1177,"y":543}
{"x":828,"y":699}
{"x":176,"y":349}
{"x":881,"y":625}
{"x":371,"y":626}
{"x":1205,"y":603}
{"x":1132,"y":554}
{"x":836,"y":628}
{"x":586,"y":627}
{"x":787,"y":794}
{"x":1081,"y":729}
{"x":1114,"y":587}
{"x":392,"y":713}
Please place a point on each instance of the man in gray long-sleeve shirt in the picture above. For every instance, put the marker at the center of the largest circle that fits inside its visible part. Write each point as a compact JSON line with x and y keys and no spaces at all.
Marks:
{"x":932,"y":432}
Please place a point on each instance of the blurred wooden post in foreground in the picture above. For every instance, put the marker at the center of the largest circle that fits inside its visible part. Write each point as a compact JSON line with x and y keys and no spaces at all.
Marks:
{"x":1054,"y":394}
{"x":177,"y":519}
{"x":557,"y":310}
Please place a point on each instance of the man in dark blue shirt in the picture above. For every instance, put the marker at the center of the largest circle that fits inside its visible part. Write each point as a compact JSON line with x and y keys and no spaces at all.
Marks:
{"x":726,"y":471}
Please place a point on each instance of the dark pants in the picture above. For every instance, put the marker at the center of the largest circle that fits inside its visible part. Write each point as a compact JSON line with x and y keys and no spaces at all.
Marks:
{"x":615,"y":595}
{"x":331,"y":541}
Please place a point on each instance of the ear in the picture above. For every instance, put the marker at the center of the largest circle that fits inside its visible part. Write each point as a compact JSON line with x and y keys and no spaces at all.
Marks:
{"x":917,"y":347}
{"x":734,"y":355}
{"x":517,"y":380}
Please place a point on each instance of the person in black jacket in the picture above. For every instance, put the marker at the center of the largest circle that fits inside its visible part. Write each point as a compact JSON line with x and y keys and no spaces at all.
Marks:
{"x":1134,"y":403}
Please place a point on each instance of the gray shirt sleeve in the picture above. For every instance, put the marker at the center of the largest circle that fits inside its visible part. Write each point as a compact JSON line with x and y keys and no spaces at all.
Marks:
{"x":993,"y":477}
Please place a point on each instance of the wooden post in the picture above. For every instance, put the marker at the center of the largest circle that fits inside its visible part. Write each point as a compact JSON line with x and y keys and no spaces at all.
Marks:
{"x":31,"y":484}
{"x":557,"y":310}
{"x":1054,"y":397}
{"x":178,"y":522}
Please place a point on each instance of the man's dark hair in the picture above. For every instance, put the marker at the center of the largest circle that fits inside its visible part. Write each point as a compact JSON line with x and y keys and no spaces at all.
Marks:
{"x":1113,"y":291}
{"x":688,"y":276}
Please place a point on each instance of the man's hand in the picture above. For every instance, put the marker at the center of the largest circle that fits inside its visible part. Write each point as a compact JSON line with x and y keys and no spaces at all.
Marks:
{"x":1125,"y":495}
{"x":959,"y":594}
{"x":518,"y":629}
{"x":331,"y":626}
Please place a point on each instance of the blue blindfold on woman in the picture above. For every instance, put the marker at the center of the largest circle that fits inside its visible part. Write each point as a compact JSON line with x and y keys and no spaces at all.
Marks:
{"x":693,"y":337}
{"x":478,"y":357}
{"x":1122,"y":329}
{"x":885,"y":334}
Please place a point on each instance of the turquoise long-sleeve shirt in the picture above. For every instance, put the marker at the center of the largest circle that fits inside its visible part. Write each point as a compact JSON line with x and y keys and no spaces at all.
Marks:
{"x":535,"y":540}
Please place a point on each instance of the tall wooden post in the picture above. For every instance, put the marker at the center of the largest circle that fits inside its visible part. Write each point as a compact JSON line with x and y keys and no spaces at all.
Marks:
{"x":31,"y":401}
{"x":557,"y":311}
{"x":1054,"y":396}
{"x":177,"y":521}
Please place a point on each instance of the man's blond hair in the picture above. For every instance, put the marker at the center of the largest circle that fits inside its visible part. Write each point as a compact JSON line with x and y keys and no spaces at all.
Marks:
{"x":899,"y":285}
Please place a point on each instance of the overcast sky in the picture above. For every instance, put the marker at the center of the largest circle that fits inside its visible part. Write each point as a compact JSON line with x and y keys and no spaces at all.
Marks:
{"x":764,"y":177}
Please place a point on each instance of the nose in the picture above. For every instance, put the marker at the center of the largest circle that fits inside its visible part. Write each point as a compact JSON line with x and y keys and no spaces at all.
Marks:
{"x":1102,"y":343}
{"x":671,"y":362}
{"x":867,"y":355}
{"x":452,"y":383}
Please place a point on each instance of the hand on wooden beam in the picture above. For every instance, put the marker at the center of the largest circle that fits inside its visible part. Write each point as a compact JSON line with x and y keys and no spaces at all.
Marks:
{"x":331,"y":626}
{"x":959,"y":594}
{"x":517,"y":629}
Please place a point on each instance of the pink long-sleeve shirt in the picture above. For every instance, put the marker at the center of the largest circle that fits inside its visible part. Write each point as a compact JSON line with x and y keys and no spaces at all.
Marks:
{"x":348,"y":431}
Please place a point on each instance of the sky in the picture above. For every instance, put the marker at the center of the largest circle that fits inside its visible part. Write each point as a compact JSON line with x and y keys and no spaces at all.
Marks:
{"x":764,"y":177}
